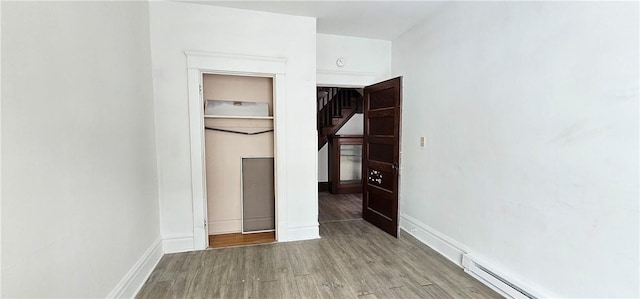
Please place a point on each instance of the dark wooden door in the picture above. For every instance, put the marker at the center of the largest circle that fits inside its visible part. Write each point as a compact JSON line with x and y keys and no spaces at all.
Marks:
{"x":381,"y":154}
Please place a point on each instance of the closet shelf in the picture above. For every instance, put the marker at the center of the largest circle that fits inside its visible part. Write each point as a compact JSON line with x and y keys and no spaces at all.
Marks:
{"x":238,"y":117}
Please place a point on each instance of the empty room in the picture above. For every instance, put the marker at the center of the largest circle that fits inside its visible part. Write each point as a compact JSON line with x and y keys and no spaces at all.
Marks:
{"x":320,"y":149}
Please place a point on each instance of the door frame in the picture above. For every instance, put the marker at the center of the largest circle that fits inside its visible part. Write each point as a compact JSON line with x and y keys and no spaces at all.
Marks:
{"x":356,"y":81}
{"x":200,"y":63}
{"x":343,"y":79}
{"x":351,"y":79}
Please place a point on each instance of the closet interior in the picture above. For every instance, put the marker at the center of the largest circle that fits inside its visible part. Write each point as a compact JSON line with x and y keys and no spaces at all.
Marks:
{"x":239,"y":158}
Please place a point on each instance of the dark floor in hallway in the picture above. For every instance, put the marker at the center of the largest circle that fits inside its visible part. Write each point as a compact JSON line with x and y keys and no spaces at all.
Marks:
{"x":337,"y":207}
{"x":353,"y":259}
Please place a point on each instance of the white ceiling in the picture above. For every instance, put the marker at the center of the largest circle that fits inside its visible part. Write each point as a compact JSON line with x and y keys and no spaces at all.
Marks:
{"x":371,"y":19}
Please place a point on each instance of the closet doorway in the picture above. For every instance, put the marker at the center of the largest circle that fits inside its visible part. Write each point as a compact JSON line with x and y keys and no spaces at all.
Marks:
{"x":239,"y":159}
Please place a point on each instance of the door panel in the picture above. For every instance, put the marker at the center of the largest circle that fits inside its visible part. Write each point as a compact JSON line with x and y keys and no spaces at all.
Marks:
{"x":383,"y":98}
{"x":381,"y":202}
{"x":381,"y":126}
{"x":381,"y":152}
{"x":381,"y":156}
{"x":379,"y":178}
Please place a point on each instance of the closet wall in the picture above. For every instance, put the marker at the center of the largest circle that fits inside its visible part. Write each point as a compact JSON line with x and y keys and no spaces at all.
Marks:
{"x":224,"y":151}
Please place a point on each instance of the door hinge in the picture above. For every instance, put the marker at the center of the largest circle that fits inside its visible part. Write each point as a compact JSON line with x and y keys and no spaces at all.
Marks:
{"x":200,"y":89}
{"x":205,"y":223}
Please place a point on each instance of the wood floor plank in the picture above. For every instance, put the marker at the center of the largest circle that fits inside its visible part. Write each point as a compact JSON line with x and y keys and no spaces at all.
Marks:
{"x":331,"y":284}
{"x":395,"y":271}
{"x":407,"y":292}
{"x":330,"y":277}
{"x":237,"y":239}
{"x":304,"y":257}
{"x":272,"y":289}
{"x":436,"y":292}
{"x":275,"y":266}
{"x":159,"y":290}
{"x":358,"y":274}
{"x":336,"y":207}
{"x":369,"y":296}
{"x":306,"y":287}
{"x":353,"y":259}
{"x":233,"y":278}
{"x":481,"y":292}
{"x":214,"y":265}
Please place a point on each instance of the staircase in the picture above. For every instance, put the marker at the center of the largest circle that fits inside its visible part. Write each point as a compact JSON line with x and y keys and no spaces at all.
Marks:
{"x":335,"y":107}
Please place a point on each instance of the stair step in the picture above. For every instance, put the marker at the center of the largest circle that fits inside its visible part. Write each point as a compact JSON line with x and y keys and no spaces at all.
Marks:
{"x":327,"y":132}
{"x":328,"y":124}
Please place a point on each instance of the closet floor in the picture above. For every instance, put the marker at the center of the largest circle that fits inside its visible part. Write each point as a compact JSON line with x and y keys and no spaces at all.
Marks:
{"x":237,"y":239}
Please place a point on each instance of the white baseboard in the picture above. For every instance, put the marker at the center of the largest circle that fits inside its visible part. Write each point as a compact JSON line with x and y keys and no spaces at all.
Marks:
{"x":225,"y":226}
{"x":173,"y":244}
{"x":504,"y":282}
{"x":303,"y":233}
{"x":184,"y":243}
{"x":455,"y":251}
{"x":438,"y":241}
{"x":489,"y":280}
{"x":265,"y":222}
{"x":131,"y":283}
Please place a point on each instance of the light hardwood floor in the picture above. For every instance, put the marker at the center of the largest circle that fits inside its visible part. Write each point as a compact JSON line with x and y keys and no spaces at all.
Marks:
{"x":338,"y":207}
{"x":353,"y":259}
{"x":238,"y":239}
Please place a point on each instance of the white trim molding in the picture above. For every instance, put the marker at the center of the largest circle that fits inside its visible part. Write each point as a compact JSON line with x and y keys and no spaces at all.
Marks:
{"x":225,"y":226}
{"x":177,"y":243}
{"x":344,"y":78}
{"x":235,"y":63}
{"x":132,"y":282}
{"x":507,"y":284}
{"x":199,"y":63}
{"x":303,"y":233}
{"x":449,"y":248}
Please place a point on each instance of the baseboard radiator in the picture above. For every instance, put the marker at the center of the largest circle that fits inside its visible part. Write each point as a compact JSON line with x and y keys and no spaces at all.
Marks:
{"x":498,"y":283}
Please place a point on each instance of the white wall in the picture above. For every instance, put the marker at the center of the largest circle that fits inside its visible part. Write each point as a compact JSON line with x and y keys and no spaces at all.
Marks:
{"x":354,"y":126}
{"x":323,"y":163}
{"x":79,"y":196}
{"x":367,"y":61}
{"x":362,"y":56}
{"x":176,"y":27}
{"x":530,"y":112}
{"x":0,"y":150}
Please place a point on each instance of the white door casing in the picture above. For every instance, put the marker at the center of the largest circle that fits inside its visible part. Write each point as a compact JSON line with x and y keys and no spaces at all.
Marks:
{"x":199,"y":63}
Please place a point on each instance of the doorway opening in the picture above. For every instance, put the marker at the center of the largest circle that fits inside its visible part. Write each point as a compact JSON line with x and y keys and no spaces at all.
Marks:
{"x":340,"y":128}
{"x":368,"y":163}
{"x":239,"y":159}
